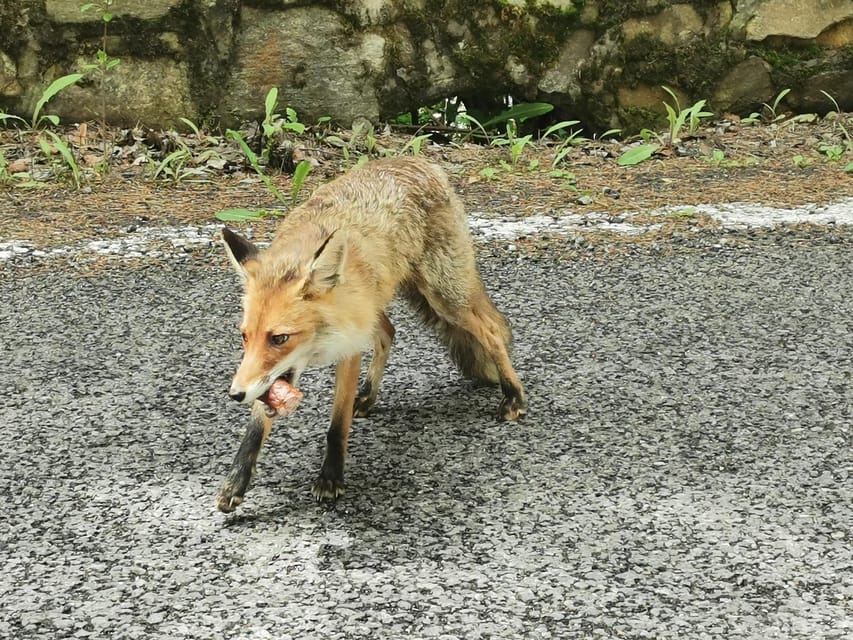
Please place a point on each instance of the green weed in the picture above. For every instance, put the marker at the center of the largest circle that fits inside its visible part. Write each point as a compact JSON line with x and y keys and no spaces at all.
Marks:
{"x":519,"y":113}
{"x":38,"y":119}
{"x":637,"y":154}
{"x":176,"y":165}
{"x":833,"y":152}
{"x":772,"y":115}
{"x":513,"y":141}
{"x":64,"y":150}
{"x":414,"y":144}
{"x":255,"y":163}
{"x":52,"y":145}
{"x":102,"y":65}
{"x":489,"y":173}
{"x":683,"y":121}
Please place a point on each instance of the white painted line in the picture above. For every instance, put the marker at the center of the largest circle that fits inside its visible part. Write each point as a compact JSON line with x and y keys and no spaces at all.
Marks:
{"x":148,"y":241}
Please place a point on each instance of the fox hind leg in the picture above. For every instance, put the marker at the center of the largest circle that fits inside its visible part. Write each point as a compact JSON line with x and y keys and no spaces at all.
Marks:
{"x":489,"y":331}
{"x":478,"y":338}
{"x":366,"y":397}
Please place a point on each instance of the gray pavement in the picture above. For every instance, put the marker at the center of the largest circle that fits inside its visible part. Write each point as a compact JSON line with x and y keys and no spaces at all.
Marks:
{"x":684,"y":472}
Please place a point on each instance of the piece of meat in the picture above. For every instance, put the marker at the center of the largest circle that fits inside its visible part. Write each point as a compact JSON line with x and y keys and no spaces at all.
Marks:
{"x":283,"y":398}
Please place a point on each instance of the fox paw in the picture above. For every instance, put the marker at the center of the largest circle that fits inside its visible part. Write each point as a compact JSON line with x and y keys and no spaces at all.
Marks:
{"x":364,"y":400}
{"x":362,"y":406}
{"x":327,"y":489}
{"x":227,"y":502}
{"x":234,"y":487}
{"x":512,"y":408}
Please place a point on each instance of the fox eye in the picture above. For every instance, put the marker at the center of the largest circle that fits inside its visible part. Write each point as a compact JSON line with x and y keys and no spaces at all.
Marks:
{"x":243,"y":336}
{"x":279,"y":339}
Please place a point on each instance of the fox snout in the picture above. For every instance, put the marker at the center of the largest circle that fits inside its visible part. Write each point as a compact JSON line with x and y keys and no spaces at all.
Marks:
{"x":247,"y":394}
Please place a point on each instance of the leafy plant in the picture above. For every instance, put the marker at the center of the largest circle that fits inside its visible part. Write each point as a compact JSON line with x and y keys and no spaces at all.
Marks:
{"x":199,"y":134}
{"x":637,"y":154}
{"x":4,"y":169}
{"x":299,"y":176}
{"x":568,"y":178}
{"x":683,"y":119}
{"x":274,"y":123}
{"x":770,"y":109}
{"x":519,"y":113}
{"x":800,"y":161}
{"x":833,"y":152}
{"x":564,"y":147}
{"x":243,"y":215}
{"x":465,"y":118}
{"x":276,"y":146}
{"x":838,"y":118}
{"x":489,"y":173}
{"x":176,"y":165}
{"x":716,"y":157}
{"x":255,"y":163}
{"x":102,"y":65}
{"x":53,"y":88}
{"x":513,"y":141}
{"x":60,"y":146}
{"x":414,"y":144}
{"x":52,"y":145}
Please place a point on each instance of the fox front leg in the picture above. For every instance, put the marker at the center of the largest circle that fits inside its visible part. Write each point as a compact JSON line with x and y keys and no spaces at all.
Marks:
{"x":330,"y":483}
{"x":243,"y":468}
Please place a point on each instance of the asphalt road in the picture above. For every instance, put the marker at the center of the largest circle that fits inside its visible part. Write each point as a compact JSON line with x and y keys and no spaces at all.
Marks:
{"x":684,"y":471}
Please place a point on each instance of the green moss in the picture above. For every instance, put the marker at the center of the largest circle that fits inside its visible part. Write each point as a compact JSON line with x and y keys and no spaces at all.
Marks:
{"x":785,"y":56}
{"x":634,"y":119}
{"x":695,"y":66}
{"x":615,"y":12}
{"x":792,"y":65}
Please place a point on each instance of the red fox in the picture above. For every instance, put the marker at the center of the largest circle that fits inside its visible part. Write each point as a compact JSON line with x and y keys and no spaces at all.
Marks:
{"x":318,"y":294}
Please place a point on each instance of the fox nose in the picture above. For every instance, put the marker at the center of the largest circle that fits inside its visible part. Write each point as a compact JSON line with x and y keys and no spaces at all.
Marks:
{"x":239,"y":396}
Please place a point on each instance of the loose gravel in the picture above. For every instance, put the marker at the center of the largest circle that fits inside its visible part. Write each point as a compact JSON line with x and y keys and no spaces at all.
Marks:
{"x":684,"y":472}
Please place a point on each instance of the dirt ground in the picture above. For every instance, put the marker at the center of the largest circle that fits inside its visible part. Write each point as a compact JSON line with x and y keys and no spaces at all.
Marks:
{"x":791,"y":163}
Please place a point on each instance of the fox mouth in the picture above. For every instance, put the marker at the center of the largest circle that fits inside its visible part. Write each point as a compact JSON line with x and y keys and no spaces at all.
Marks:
{"x":281,"y":398}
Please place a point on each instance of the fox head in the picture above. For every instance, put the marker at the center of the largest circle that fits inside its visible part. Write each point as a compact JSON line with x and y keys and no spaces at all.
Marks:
{"x":291,"y":307}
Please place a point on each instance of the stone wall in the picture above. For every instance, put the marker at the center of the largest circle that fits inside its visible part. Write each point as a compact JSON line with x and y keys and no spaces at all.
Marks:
{"x":600,"y":61}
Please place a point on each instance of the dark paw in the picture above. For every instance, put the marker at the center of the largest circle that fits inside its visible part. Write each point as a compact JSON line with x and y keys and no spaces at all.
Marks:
{"x":362,"y":406}
{"x":227,"y":501}
{"x":364,"y":401}
{"x":512,"y":408}
{"x":327,"y":488}
{"x":234,"y":488}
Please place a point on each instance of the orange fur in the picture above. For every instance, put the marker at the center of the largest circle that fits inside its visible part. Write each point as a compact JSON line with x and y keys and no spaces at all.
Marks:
{"x":332,"y":269}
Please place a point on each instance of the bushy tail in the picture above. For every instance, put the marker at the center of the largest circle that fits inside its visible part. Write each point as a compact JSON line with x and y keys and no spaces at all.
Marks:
{"x":473,"y":360}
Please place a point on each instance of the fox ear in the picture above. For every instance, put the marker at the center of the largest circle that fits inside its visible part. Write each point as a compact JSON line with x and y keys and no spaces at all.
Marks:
{"x":325,"y":268}
{"x":239,"y":250}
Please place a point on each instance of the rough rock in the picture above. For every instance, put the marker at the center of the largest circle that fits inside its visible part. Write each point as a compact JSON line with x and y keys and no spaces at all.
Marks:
{"x":563,"y":77}
{"x":794,"y":18}
{"x":314,"y":58}
{"x":671,"y":26}
{"x":838,"y":84}
{"x":9,"y":85}
{"x":746,"y":85}
{"x":151,"y":91}
{"x":837,"y":36}
{"x":68,"y":11}
{"x":377,"y":58}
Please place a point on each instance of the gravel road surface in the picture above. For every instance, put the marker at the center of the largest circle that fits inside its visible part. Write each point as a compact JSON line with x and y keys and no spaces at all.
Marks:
{"x":684,"y":471}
